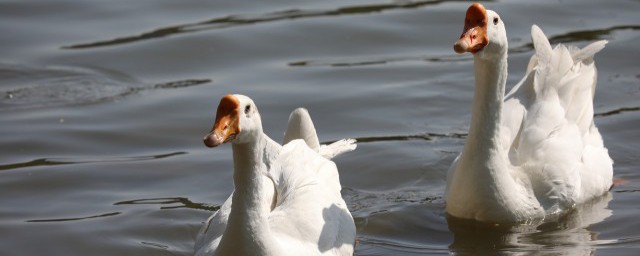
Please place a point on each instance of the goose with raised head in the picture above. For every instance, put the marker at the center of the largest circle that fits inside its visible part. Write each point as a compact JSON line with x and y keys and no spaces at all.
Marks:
{"x":286,"y":199}
{"x":535,"y":151}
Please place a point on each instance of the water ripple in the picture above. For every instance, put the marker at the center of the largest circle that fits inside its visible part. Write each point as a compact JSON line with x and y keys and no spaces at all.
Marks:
{"x":423,"y":136}
{"x":76,"y":219}
{"x":367,"y":203}
{"x":357,"y":62}
{"x":617,"y":111}
{"x":627,"y":191}
{"x":243,"y":20}
{"x":570,"y":37}
{"x":174,"y":202}
{"x":403,"y":246}
{"x":36,"y":86}
{"x":51,"y":161}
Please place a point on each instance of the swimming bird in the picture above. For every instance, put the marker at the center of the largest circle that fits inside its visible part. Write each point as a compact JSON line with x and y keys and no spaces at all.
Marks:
{"x":286,"y":199}
{"x":535,"y":151}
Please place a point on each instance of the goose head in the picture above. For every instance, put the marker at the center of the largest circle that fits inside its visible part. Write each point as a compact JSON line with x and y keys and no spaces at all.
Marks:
{"x":237,"y":121}
{"x":484,"y":34}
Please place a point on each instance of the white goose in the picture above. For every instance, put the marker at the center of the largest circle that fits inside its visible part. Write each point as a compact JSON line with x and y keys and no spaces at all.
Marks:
{"x":536,"y":151}
{"x":287,"y":198}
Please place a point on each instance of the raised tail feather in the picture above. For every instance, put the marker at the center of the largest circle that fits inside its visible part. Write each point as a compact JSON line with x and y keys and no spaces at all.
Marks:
{"x":301,"y":127}
{"x":337,"y":148}
{"x":544,"y":51}
{"x":567,"y":73}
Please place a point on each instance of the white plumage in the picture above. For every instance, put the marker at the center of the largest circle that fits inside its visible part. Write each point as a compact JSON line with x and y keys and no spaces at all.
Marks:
{"x":300,"y":126}
{"x":535,"y":151}
{"x":287,"y":198}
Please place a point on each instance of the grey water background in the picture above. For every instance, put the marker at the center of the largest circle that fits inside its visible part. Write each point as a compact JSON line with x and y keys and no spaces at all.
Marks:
{"x":103,"y":105}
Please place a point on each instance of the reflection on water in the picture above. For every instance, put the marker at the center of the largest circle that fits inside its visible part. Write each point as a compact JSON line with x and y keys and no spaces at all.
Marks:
{"x":567,"y":235}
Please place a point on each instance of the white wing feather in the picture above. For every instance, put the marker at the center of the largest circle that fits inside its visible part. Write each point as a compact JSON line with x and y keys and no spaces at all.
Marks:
{"x":310,"y":210}
{"x":548,"y":128}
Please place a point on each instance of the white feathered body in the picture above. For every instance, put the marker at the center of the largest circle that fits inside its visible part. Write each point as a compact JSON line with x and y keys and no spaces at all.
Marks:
{"x":548,"y":153}
{"x":286,"y":201}
{"x":308,"y":215}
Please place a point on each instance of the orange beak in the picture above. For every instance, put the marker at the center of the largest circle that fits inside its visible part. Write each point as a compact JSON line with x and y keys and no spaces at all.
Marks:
{"x":227,"y":124}
{"x":474,"y":37}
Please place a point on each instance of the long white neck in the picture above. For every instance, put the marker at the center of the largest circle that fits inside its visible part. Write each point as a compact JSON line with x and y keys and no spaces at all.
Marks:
{"x":476,"y":188}
{"x":484,"y":132}
{"x":253,"y":198}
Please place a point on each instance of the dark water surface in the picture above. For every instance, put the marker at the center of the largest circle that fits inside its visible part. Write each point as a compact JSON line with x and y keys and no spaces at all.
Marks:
{"x":103,"y":105}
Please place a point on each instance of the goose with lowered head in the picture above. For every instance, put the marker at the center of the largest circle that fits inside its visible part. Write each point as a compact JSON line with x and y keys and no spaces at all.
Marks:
{"x":536,"y":151}
{"x":286,"y":199}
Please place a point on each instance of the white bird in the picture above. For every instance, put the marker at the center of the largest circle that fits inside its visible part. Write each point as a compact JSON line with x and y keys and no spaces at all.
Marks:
{"x":535,"y":151}
{"x":286,"y":199}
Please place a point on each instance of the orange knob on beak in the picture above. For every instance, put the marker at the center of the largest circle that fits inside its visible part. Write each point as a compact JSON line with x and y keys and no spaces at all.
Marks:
{"x":227,"y":124}
{"x":474,"y":37}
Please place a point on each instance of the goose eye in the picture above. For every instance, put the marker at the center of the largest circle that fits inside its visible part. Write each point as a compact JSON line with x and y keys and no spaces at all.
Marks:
{"x":495,"y":21}
{"x":247,"y":109}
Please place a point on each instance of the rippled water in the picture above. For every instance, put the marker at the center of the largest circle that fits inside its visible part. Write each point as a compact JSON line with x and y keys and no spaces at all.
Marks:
{"x":103,"y":105}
